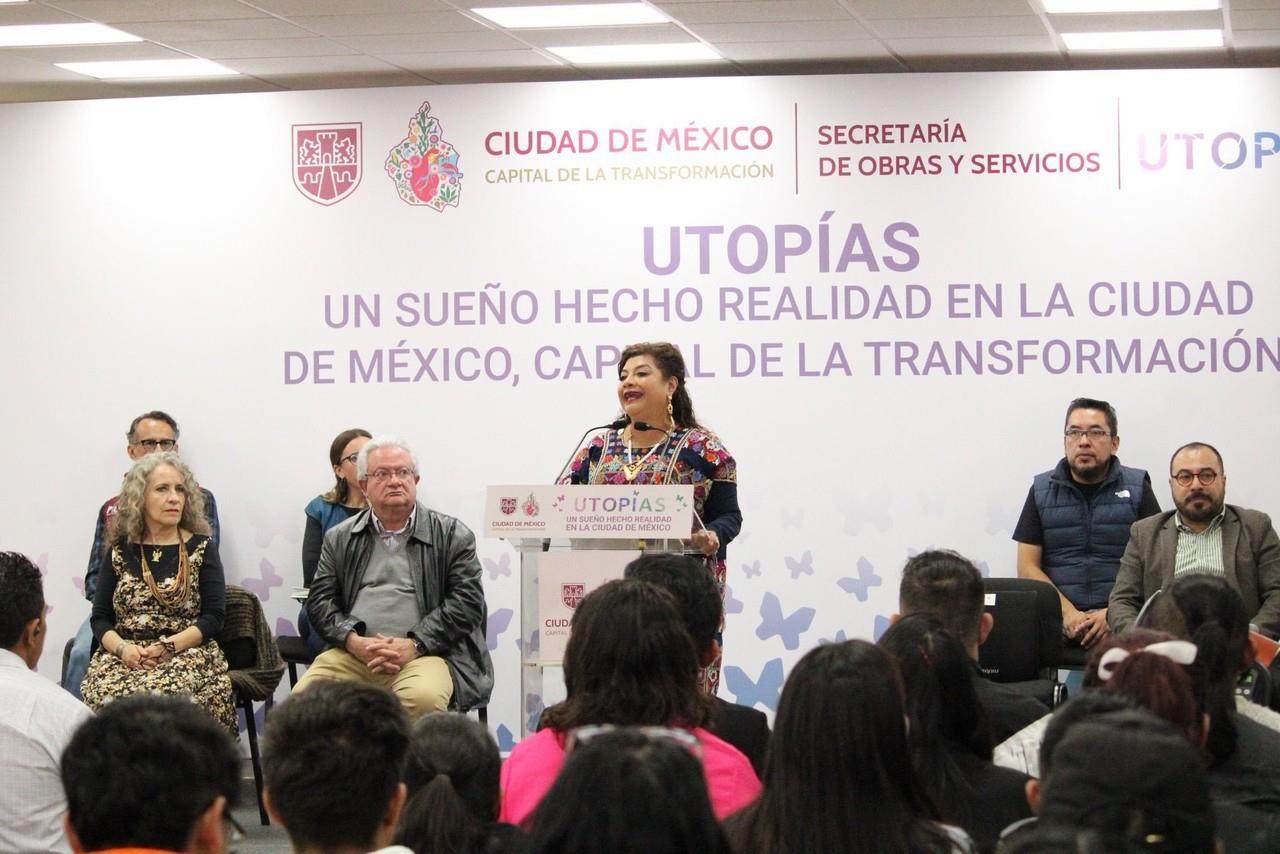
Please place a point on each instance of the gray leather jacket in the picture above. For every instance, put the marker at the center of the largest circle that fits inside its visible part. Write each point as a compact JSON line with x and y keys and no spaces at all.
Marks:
{"x":446,"y":580}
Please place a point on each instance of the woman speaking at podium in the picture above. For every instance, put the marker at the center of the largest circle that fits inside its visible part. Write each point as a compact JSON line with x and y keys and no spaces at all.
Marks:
{"x":663,"y":443}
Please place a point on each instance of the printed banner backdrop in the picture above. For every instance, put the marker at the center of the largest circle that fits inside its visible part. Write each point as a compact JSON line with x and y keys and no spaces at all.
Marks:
{"x":887,"y":289}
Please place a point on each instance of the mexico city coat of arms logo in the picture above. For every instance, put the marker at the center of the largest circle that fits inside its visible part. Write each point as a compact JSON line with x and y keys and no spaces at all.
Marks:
{"x":326,"y":161}
{"x":424,"y":166}
{"x":571,"y":593}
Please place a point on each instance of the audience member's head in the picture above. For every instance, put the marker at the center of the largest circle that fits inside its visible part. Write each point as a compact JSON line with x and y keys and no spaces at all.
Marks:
{"x":1162,"y":678}
{"x":1208,"y":612}
{"x":151,"y":432}
{"x":150,"y":771}
{"x":22,"y":625}
{"x":694,"y":590}
{"x":129,"y":523}
{"x":948,"y":587}
{"x":1079,"y":708}
{"x":1133,"y":780}
{"x":332,"y":757}
{"x":629,"y":661}
{"x":838,"y":776}
{"x":942,"y":704}
{"x":451,"y":772}
{"x":627,"y":791}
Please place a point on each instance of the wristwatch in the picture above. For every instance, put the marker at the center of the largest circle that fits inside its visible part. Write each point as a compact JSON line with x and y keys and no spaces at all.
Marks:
{"x":418,"y":645}
{"x":170,"y":648}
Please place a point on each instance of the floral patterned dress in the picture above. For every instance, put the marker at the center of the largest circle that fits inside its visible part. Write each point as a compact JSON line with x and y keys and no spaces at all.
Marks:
{"x":689,"y":456}
{"x":126,"y":604}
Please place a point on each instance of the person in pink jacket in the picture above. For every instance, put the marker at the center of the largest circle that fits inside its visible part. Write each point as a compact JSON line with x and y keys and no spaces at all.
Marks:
{"x":629,"y":662}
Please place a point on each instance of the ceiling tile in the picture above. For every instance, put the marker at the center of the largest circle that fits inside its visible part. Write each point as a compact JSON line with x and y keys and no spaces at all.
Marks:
{"x":429,"y":63}
{"x":1250,"y":39}
{"x":102,"y":52}
{"x":231,"y":29}
{"x":1126,"y":23}
{"x":321,"y":65}
{"x":32,"y":13}
{"x":432,"y":42}
{"x":940,"y":8}
{"x":660,"y":34}
{"x":1025,"y":25}
{"x":263,"y":48}
{"x":787,"y":31}
{"x":506,"y":75}
{"x":731,"y":11}
{"x":377,"y":25}
{"x":779,"y":52}
{"x":290,"y":8}
{"x":984,"y":45}
{"x":120,"y":11}
{"x":1260,"y":20}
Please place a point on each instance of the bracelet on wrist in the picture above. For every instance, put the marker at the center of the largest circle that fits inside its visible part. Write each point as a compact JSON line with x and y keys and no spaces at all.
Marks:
{"x":120,"y":648}
{"x":170,"y":648}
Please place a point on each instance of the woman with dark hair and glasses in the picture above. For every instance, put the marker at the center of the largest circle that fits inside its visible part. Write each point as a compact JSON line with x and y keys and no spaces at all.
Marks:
{"x":949,"y":736}
{"x":324,"y":511}
{"x":663,"y":443}
{"x":629,"y":662}
{"x":630,"y":790}
{"x":838,"y":775}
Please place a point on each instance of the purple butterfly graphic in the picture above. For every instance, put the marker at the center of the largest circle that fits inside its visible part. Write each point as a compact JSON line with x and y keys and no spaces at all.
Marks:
{"x":501,"y":566}
{"x":881,"y":626}
{"x":804,"y":566}
{"x":840,"y":637}
{"x":261,"y":587}
{"x":499,"y":620}
{"x":533,"y":707}
{"x":528,"y":648}
{"x":866,"y":579}
{"x":984,"y":569}
{"x":285,"y":628}
{"x":789,"y":628}
{"x":751,"y":570}
{"x":731,"y":605}
{"x":506,"y":741}
{"x":751,"y":692}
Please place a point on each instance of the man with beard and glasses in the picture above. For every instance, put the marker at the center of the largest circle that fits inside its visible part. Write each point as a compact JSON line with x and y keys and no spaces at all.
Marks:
{"x":1205,"y":535}
{"x":1075,"y":521}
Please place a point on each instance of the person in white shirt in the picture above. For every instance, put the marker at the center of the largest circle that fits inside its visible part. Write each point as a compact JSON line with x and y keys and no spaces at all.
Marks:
{"x":37,"y":718}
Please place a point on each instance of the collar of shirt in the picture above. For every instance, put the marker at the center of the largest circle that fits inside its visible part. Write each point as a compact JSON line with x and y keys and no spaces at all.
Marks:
{"x":382,"y":529}
{"x":1215,"y":522}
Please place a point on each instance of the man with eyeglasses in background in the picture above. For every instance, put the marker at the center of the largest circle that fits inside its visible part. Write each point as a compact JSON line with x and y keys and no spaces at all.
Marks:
{"x":1075,"y":521}
{"x":149,"y":433}
{"x":397,"y":594}
{"x":1203,"y":535}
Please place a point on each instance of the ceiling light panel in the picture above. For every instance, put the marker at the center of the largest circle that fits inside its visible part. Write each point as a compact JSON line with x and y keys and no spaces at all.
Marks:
{"x":139,"y":69}
{"x":1144,"y":40}
{"x":39,"y":35}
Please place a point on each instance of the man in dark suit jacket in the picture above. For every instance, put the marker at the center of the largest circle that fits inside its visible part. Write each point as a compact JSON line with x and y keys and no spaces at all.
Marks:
{"x":948,"y":587}
{"x":698,"y":598}
{"x":1204,"y":535}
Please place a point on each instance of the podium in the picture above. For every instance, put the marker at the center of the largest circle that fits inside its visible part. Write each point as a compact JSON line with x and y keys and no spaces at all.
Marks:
{"x":571,"y":540}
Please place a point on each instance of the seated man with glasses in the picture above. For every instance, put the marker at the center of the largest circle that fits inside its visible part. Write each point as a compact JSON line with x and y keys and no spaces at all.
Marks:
{"x":397,"y":594}
{"x":1075,"y":521}
{"x":1203,"y":536}
{"x":149,"y":433}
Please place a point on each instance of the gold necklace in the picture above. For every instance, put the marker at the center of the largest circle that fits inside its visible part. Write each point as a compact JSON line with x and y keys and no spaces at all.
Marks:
{"x":182,"y":583}
{"x":631,"y":469}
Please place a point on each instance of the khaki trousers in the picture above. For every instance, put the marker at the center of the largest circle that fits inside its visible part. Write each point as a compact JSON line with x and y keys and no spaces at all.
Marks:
{"x":423,"y":685}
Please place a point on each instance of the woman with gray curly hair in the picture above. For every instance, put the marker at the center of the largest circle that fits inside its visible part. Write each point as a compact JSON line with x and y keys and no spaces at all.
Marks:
{"x":155,"y":615}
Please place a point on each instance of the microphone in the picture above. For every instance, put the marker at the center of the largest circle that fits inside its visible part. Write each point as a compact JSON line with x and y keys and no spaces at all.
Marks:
{"x":612,"y":425}
{"x":645,"y":425}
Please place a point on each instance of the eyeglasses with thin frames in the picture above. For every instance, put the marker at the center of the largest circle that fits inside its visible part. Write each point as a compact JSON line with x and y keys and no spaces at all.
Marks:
{"x":1205,"y":476}
{"x":162,"y":444}
{"x":386,"y":474}
{"x":1094,"y":434}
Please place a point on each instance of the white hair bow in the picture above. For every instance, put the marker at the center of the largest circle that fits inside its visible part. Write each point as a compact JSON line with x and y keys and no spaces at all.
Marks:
{"x":1180,"y":651}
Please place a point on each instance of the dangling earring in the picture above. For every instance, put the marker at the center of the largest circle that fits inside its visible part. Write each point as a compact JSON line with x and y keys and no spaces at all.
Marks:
{"x":671,"y":413}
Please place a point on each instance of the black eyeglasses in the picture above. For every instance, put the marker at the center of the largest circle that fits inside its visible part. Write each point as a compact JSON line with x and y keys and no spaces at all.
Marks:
{"x":1094,"y":433}
{"x":350,"y":458}
{"x":162,"y":444}
{"x":1205,"y":476}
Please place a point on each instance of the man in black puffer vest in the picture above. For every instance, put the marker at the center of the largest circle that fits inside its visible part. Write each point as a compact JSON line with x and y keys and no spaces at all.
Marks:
{"x":1075,"y":522}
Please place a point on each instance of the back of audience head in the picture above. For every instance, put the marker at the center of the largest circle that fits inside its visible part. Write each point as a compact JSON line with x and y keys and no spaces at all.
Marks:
{"x":451,"y":772}
{"x":1208,"y":612}
{"x":629,"y":661}
{"x":1172,"y":690}
{"x":947,"y":586}
{"x":1132,"y":781}
{"x":22,"y":625}
{"x":332,"y":757}
{"x":694,"y":590}
{"x":942,"y":704}
{"x":150,"y":771}
{"x":627,"y":791}
{"x":838,"y":776}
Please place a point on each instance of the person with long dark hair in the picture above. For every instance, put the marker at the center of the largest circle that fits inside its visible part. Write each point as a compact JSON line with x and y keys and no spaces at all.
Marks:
{"x":451,"y":773}
{"x":629,"y":662}
{"x":663,"y":443}
{"x":339,"y":504}
{"x":838,"y":775}
{"x":628,"y":791}
{"x":949,"y":736}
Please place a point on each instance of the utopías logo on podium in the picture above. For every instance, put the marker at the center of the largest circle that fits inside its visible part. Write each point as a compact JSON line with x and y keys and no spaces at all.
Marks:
{"x":424,"y":166}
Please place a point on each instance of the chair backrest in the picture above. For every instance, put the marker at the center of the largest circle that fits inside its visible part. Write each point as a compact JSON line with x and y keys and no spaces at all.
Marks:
{"x":246,"y":640}
{"x":1027,"y":635}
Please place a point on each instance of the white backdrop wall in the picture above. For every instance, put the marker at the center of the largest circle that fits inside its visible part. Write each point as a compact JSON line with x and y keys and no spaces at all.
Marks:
{"x":155,"y":253}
